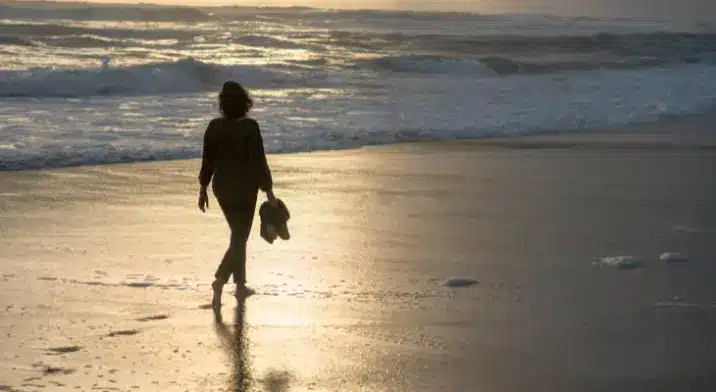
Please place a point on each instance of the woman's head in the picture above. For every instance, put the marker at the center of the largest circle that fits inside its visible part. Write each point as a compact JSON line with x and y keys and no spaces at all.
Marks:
{"x":234,"y":100}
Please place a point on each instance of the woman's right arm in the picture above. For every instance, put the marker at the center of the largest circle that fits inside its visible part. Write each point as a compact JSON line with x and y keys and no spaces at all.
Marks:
{"x":207,"y":168}
{"x":207,"y":159}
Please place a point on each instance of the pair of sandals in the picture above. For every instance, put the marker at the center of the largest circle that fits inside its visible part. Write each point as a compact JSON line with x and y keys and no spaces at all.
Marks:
{"x":241,"y":292}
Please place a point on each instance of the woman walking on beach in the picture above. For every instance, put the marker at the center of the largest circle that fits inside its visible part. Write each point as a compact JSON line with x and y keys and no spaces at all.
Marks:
{"x":234,"y":158}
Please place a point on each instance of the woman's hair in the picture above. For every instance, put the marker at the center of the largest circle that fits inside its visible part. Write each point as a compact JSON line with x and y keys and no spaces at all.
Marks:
{"x":234,"y":100}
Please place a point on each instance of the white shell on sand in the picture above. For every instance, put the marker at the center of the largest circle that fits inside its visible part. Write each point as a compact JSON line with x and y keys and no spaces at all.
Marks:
{"x":685,"y":229}
{"x":673,"y":257}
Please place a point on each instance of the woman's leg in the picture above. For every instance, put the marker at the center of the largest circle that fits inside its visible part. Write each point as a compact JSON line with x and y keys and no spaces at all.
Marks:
{"x":243,"y":220}
{"x":240,"y":216}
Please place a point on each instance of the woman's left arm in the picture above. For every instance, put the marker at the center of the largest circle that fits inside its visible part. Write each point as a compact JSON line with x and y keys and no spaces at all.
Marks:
{"x":260,"y":164}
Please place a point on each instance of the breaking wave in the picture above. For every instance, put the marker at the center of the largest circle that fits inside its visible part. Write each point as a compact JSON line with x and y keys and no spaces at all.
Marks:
{"x":184,"y":76}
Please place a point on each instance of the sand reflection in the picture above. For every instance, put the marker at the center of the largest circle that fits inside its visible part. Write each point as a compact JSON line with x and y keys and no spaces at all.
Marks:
{"x":236,"y":345}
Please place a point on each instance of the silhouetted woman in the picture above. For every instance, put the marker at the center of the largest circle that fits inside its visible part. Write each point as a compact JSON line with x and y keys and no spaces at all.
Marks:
{"x":234,"y":158}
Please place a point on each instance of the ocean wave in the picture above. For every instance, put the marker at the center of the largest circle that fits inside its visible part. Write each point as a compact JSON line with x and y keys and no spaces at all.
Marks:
{"x":56,"y":30}
{"x":508,"y":54}
{"x":660,"y":44}
{"x":503,"y":66}
{"x":424,"y":64}
{"x":507,"y":66}
{"x":95,"y":41}
{"x":14,"y":40}
{"x":666,"y":46}
{"x":268,"y":42}
{"x":193,"y":76}
{"x":66,"y":132}
{"x":184,"y":76}
{"x":60,"y":35}
{"x":46,"y":10}
{"x":149,"y":12}
{"x":96,"y":152}
{"x":91,"y":156}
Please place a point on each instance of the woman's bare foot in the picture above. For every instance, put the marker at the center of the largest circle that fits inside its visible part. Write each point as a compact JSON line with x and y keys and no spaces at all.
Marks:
{"x":242,"y":291}
{"x":218,"y":288}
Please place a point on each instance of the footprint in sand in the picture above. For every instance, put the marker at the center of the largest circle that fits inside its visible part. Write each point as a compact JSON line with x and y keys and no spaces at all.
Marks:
{"x":32,"y":386}
{"x":139,"y":284}
{"x":52,"y":370}
{"x":64,"y":350}
{"x":153,"y":318}
{"x":128,"y":332}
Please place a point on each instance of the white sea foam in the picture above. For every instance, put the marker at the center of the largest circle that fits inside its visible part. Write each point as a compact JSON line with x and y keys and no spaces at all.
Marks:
{"x":678,"y":302}
{"x":620,"y":262}
{"x":686,"y":229}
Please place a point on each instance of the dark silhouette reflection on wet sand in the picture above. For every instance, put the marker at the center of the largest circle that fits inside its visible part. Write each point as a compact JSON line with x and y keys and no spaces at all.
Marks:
{"x":236,"y":345}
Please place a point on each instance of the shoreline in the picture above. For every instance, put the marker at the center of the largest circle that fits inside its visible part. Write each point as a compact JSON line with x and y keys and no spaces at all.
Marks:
{"x":693,"y":134}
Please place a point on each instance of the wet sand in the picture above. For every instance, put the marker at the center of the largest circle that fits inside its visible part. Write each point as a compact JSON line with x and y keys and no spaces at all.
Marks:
{"x":105,"y":271}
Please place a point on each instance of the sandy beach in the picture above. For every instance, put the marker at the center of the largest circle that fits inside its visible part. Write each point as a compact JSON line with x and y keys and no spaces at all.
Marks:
{"x":106,"y":271}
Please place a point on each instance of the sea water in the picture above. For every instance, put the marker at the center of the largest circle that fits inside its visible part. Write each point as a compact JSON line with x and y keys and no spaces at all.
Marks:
{"x":85,"y":84}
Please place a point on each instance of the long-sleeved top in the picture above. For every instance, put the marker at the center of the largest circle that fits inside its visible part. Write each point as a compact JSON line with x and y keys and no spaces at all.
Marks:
{"x":234,"y":158}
